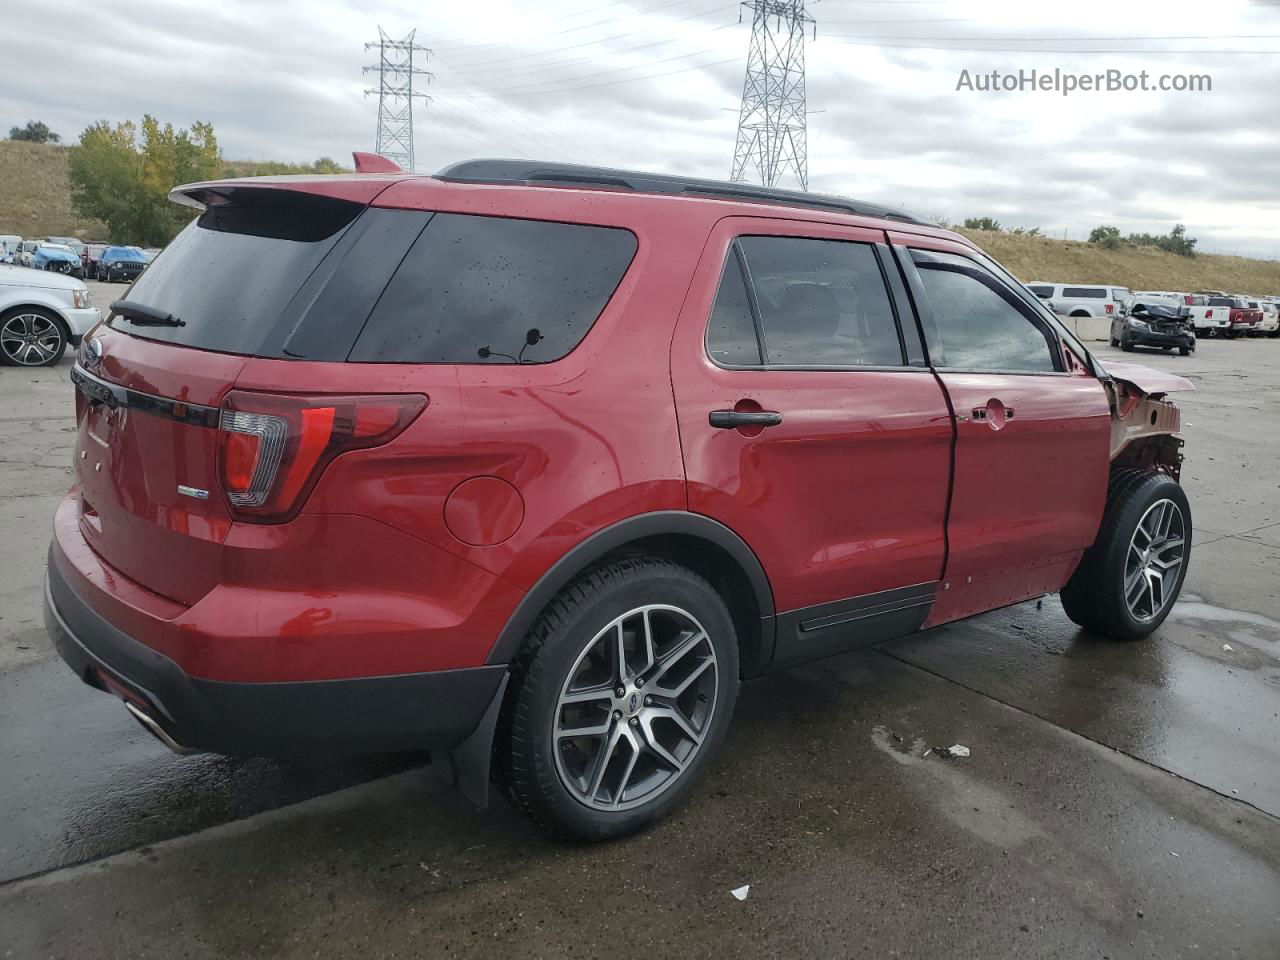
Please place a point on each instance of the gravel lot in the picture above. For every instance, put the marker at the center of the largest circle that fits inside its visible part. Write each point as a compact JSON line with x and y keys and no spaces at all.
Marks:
{"x":1120,"y":800}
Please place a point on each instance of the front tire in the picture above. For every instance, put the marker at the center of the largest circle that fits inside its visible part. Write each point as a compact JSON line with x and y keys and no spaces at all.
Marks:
{"x":620,"y":697}
{"x":1129,"y":580}
{"x":31,"y":337}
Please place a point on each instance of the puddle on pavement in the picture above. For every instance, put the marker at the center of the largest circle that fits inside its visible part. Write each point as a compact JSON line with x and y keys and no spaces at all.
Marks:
{"x":1192,"y":607}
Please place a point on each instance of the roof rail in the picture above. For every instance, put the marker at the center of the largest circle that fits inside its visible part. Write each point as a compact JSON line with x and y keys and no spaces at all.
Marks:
{"x":577,"y":175}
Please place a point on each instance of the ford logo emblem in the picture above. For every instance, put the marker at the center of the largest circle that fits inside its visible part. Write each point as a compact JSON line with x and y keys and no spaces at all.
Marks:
{"x":92,"y":352}
{"x":633,"y":703}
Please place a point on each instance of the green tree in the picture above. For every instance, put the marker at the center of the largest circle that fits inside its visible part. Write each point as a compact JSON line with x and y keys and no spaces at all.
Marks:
{"x":1177,"y":241}
{"x":327,"y":165}
{"x":34,"y":132}
{"x":124,"y":179}
{"x":1106,"y":236}
{"x":982,"y":223}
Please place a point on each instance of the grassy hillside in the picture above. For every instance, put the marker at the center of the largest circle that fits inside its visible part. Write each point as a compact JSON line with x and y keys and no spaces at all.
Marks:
{"x":35,"y":196}
{"x":35,"y":201}
{"x":35,"y":193}
{"x":1138,"y":268}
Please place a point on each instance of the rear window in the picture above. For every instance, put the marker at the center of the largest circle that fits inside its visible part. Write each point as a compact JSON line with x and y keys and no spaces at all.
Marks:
{"x":476,"y":289}
{"x":229,"y":275}
{"x":1040,"y":290}
{"x":1085,"y":293}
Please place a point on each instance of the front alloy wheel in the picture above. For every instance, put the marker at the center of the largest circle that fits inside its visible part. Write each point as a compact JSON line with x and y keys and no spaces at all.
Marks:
{"x":635,"y":708}
{"x":1154,"y":561}
{"x":1128,"y":581}
{"x":31,"y":339}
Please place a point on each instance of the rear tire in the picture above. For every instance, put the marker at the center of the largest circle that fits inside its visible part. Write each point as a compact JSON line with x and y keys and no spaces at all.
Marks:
{"x":655,"y":741}
{"x":1185,"y":351}
{"x":1129,"y":580}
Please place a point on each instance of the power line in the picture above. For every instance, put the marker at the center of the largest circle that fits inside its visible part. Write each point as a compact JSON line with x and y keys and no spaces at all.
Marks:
{"x":521,"y":92}
{"x":591,"y":42}
{"x":531,"y":127}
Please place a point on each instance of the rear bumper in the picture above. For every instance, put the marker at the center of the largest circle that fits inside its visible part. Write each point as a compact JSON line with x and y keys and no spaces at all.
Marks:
{"x":431,"y":711}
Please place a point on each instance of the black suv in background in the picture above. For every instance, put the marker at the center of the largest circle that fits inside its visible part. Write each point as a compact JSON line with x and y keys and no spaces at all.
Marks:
{"x":1154,"y":325}
{"x":120,"y":264}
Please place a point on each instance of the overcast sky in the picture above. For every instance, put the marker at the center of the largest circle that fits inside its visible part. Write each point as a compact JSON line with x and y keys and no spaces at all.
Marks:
{"x":656,"y":85}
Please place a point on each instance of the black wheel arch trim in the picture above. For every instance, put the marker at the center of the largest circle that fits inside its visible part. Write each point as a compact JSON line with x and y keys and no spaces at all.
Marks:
{"x":605,"y":541}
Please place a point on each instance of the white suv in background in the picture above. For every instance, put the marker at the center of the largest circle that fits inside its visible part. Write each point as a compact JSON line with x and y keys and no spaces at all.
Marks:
{"x":1081,"y":299}
{"x":40,"y":314}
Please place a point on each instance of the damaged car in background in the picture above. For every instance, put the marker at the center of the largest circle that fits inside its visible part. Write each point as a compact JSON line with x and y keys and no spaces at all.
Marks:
{"x":1160,"y":325}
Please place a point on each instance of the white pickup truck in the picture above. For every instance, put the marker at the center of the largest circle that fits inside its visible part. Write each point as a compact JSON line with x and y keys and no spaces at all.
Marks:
{"x":1217,"y":314}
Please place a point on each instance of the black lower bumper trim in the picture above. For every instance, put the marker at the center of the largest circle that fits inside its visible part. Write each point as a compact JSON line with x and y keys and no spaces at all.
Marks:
{"x":1154,"y":339}
{"x":423,"y":711}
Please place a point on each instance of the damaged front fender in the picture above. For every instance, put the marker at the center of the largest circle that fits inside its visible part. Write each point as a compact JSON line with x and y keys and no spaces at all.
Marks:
{"x":1144,"y":423}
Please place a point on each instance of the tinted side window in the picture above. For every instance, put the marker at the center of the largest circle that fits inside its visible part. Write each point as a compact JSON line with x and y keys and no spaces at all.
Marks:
{"x":822,"y":302}
{"x":1084,"y":293}
{"x":1041,"y":291}
{"x":977,"y":326}
{"x":731,"y":334}
{"x":495,"y":290}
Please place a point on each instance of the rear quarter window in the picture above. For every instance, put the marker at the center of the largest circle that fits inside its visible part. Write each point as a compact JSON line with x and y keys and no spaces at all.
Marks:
{"x":475,"y":289}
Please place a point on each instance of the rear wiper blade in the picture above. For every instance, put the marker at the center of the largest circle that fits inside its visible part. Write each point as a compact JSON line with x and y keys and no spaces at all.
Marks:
{"x":145,"y":316}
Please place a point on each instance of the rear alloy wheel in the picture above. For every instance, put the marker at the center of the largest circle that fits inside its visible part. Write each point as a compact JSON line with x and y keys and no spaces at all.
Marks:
{"x":31,"y":338}
{"x":622,"y":695}
{"x":1128,"y":581}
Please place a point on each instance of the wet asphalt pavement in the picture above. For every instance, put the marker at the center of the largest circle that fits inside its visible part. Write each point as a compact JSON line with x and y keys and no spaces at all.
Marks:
{"x":1120,"y":800}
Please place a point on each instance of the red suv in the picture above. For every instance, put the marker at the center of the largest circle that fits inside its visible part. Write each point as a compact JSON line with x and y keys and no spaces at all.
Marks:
{"x":531,"y":465}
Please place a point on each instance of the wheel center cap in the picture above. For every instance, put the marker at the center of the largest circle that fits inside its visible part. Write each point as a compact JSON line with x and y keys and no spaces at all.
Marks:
{"x":631,"y":701}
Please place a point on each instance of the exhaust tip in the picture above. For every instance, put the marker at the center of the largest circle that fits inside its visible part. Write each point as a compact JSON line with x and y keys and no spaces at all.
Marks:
{"x":151,"y":726}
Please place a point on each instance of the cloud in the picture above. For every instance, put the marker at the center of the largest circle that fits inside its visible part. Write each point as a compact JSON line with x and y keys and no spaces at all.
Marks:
{"x":657,"y":86}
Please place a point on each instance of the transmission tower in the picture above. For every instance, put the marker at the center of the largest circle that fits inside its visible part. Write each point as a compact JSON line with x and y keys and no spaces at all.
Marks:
{"x":395,"y":92}
{"x":772,"y":136}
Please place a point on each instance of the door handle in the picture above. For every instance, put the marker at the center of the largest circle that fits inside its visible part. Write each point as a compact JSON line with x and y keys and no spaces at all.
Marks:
{"x":980,"y":413}
{"x":733,"y":419}
{"x":994,"y":413}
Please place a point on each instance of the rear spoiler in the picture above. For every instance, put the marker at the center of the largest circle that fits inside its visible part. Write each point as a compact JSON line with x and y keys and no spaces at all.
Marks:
{"x":374,"y":163}
{"x":356,"y":188}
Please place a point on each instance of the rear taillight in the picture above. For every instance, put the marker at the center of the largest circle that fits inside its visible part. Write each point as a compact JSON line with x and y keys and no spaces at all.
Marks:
{"x":1110,"y":307}
{"x":1208,"y":314}
{"x":272,"y":447}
